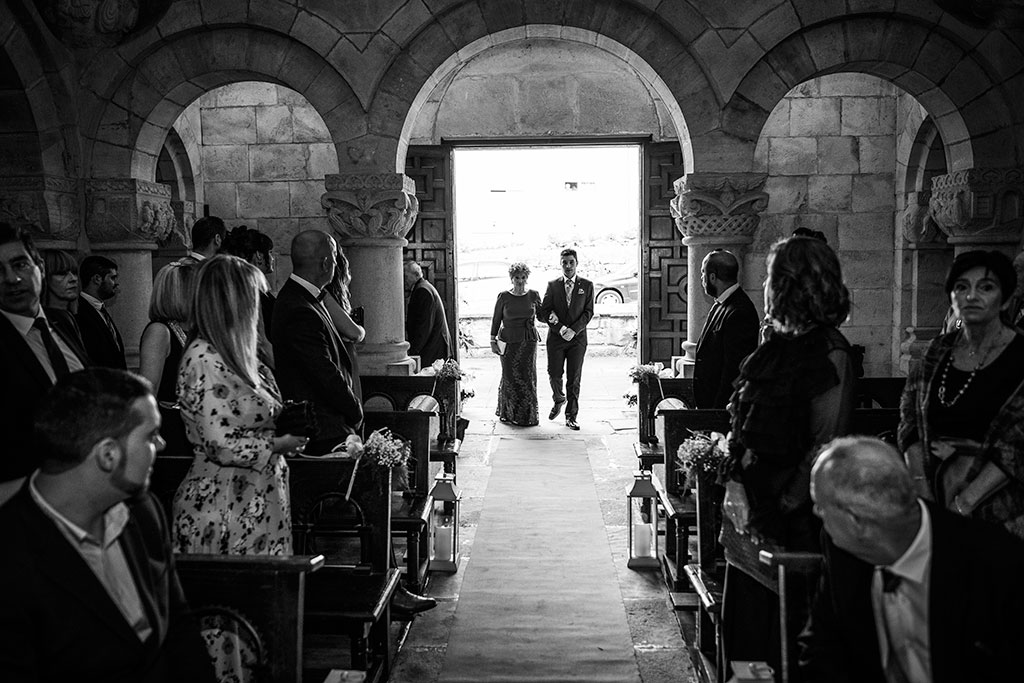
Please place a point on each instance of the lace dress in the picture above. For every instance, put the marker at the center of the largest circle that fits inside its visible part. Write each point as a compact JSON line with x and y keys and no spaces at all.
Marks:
{"x":514,"y":322}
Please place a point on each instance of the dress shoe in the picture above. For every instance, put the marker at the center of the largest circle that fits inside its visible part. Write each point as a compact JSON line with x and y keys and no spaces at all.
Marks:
{"x":406,"y":604}
{"x":571,"y":424}
{"x":556,"y":410}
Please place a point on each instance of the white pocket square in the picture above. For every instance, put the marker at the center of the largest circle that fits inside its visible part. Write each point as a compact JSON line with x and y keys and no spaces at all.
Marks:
{"x":580,"y":291}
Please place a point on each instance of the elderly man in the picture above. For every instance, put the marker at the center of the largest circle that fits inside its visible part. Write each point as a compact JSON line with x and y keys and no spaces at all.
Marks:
{"x":90,"y":591}
{"x":33,"y":353}
{"x":909,"y":592}
{"x":426,"y":326}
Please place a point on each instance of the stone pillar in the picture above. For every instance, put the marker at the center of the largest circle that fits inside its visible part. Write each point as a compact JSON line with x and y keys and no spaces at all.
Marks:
{"x":371,"y":213}
{"x":46,"y":206}
{"x":124,"y":219}
{"x":714,"y":211}
{"x":980,"y":208}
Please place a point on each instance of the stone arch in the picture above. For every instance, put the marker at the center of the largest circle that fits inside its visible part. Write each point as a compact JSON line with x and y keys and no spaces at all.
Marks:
{"x":640,"y":38}
{"x":924,"y":159}
{"x":137,"y":108}
{"x":174,"y":167}
{"x":955,"y":83}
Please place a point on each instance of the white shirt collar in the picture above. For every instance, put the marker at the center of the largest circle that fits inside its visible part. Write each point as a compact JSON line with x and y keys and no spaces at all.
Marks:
{"x":23,"y":323}
{"x":307,"y":285}
{"x":93,"y":301}
{"x":913,"y":564}
{"x":197,"y":256}
{"x":727,"y":293}
{"x":114,"y":519}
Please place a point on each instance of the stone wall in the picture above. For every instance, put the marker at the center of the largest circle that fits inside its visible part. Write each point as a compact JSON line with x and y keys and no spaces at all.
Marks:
{"x":829,"y":151}
{"x":265,"y":152}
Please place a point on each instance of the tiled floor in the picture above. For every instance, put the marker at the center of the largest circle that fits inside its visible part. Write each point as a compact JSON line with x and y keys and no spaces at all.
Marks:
{"x":608,"y":427}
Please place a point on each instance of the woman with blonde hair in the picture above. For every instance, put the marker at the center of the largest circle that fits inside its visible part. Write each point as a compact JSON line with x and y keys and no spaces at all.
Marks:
{"x":234,"y":499}
{"x":339,"y":306}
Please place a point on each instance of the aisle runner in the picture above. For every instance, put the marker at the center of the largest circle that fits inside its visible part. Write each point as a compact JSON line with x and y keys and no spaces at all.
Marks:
{"x":540,"y":600}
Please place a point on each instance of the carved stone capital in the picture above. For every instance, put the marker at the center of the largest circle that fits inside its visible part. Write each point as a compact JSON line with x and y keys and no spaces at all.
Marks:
{"x":98,"y":23}
{"x":916,"y":222}
{"x":979,"y":205}
{"x":127,"y":210}
{"x":371,"y":205}
{"x":185,"y":215}
{"x":46,"y":206}
{"x":718,"y":205}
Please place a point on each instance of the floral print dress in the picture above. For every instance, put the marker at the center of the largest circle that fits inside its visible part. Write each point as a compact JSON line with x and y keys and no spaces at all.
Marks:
{"x":234,"y":499}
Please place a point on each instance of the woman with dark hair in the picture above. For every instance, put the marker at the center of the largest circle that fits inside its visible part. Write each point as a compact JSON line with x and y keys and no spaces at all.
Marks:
{"x":963,"y":406}
{"x":514,"y":338}
{"x":794,"y":393}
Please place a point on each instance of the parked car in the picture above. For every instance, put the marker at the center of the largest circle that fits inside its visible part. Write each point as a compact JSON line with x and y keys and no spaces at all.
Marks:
{"x":617,"y":288}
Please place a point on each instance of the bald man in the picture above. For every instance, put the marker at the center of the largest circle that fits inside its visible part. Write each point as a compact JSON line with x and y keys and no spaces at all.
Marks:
{"x":312,"y":363}
{"x":729,"y":334}
{"x":910,"y":592}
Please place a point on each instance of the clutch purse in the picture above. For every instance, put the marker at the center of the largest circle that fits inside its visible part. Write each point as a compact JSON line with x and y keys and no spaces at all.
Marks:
{"x":297,"y":418}
{"x":502,"y":345}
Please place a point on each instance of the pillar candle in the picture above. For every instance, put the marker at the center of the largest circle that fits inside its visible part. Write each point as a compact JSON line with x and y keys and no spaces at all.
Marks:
{"x":641,"y":540}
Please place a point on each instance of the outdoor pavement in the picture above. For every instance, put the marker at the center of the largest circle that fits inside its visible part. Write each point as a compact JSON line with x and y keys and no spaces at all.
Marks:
{"x":608,"y":427}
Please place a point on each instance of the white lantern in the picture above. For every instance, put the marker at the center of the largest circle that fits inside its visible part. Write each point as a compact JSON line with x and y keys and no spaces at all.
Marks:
{"x":444,"y":535}
{"x":642,"y":535}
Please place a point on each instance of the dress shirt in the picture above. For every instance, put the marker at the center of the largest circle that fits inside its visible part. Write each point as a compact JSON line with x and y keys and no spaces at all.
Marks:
{"x":901,"y":616}
{"x":726,"y":294}
{"x":93,"y":301}
{"x":104,"y":557}
{"x":197,"y":256}
{"x":308,"y":286}
{"x":34,"y":339}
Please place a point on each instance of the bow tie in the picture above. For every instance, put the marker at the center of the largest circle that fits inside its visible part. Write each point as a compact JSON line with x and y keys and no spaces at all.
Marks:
{"x":320,"y":296}
{"x":890,"y":581}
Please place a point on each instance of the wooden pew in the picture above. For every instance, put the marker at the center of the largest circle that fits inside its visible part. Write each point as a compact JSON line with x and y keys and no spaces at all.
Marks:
{"x":796,"y":579}
{"x":650,"y":393}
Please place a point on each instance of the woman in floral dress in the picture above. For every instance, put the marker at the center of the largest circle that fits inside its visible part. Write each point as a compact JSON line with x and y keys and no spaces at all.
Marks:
{"x":234,"y":499}
{"x":514,"y":323}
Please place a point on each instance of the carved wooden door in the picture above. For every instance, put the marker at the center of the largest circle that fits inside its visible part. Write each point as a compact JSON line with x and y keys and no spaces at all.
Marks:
{"x":432,"y":238}
{"x":663,"y":258}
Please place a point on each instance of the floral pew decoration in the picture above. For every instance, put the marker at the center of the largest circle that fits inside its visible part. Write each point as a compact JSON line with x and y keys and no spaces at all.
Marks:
{"x":381,"y":449}
{"x":699,"y":457}
{"x":447,"y":376}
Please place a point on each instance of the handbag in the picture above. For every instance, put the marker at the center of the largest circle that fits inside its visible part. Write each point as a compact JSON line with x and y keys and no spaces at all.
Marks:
{"x":955,"y":473}
{"x":502,"y":345}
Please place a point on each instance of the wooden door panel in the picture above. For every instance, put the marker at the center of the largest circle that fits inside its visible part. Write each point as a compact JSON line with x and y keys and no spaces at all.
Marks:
{"x":663,"y":258}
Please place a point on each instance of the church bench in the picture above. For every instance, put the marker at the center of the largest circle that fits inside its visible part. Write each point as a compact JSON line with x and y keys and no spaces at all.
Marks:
{"x":796,"y":579}
{"x":261,"y":598}
{"x":653,"y":391}
{"x":680,"y":519}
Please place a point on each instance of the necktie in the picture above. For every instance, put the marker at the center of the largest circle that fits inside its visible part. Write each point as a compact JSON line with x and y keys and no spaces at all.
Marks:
{"x":568,"y":292}
{"x":57,"y":362}
{"x":110,"y":326}
{"x":890,"y":581}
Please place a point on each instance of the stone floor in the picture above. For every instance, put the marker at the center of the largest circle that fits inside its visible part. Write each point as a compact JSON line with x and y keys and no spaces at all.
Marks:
{"x":609,"y":429}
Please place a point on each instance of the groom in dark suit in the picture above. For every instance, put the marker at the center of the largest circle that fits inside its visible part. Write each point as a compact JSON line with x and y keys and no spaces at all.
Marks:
{"x":88,"y":587}
{"x":567,"y":307}
{"x":909,"y":592}
{"x":729,"y":334}
{"x":312,"y":363}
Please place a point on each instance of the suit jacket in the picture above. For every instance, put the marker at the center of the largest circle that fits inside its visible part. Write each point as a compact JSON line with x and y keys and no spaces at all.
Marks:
{"x":426,"y":327}
{"x":729,"y":336}
{"x":576,"y":315}
{"x":59,"y":622}
{"x":976,"y":599}
{"x":105,"y":349}
{"x":312,"y":363}
{"x":25,"y":383}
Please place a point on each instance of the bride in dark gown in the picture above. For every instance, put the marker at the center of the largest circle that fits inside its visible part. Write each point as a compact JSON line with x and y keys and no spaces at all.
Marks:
{"x":514,"y":338}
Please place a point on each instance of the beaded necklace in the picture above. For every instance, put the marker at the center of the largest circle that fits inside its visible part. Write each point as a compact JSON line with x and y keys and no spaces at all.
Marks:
{"x":970,"y":378}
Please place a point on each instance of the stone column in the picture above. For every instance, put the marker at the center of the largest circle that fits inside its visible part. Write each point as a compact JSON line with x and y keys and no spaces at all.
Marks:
{"x":714,"y":211}
{"x":46,"y":206}
{"x":124,"y":219}
{"x":371,"y":213}
{"x":980,"y":208}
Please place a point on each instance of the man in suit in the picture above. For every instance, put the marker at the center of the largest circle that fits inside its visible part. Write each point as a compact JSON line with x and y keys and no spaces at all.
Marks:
{"x":208,"y":235}
{"x":568,"y":306}
{"x":910,"y":592}
{"x":426,"y":327}
{"x":90,"y":591}
{"x":103,"y":342}
{"x":729,"y":334}
{"x":312,"y":363}
{"x":33,"y":354}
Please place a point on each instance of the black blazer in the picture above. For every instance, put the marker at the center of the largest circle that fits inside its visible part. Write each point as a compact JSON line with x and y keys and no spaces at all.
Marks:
{"x":426,"y":327}
{"x":24,"y":383}
{"x":576,"y":315}
{"x":976,"y":599}
{"x":312,"y":363}
{"x":105,"y":349}
{"x":59,"y":622}
{"x":729,"y":336}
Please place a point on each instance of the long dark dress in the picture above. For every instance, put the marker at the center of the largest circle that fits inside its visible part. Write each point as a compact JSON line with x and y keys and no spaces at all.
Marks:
{"x":514,"y":322}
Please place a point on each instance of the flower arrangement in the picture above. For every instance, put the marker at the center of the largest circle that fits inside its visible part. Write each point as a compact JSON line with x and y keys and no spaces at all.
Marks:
{"x":701,"y":452}
{"x":384,"y":449}
{"x":448,"y":369}
{"x":645,"y":372}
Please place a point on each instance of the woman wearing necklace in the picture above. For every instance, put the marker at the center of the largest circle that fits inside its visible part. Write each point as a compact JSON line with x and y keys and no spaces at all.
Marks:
{"x":514,"y":338}
{"x":962,"y":408}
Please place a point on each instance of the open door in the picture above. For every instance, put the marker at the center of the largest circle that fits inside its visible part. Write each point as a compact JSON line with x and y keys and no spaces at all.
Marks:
{"x":662,"y":258}
{"x":432,"y":238}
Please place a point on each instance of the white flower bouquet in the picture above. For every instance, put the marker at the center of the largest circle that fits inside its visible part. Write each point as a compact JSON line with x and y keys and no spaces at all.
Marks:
{"x":701,"y":452}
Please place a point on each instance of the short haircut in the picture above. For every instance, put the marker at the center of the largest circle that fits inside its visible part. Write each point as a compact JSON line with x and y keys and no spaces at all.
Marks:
{"x":10,"y":233}
{"x":723,"y":264}
{"x":995,"y":262}
{"x":172,"y":292}
{"x":246,"y":242}
{"x":569,"y":252}
{"x":204,"y":230}
{"x":867,"y":476}
{"x":83,"y":408}
{"x":58,"y":262}
{"x":93,"y":265}
{"x":805,"y":285}
{"x":518,"y":268}
{"x":414,"y":268}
